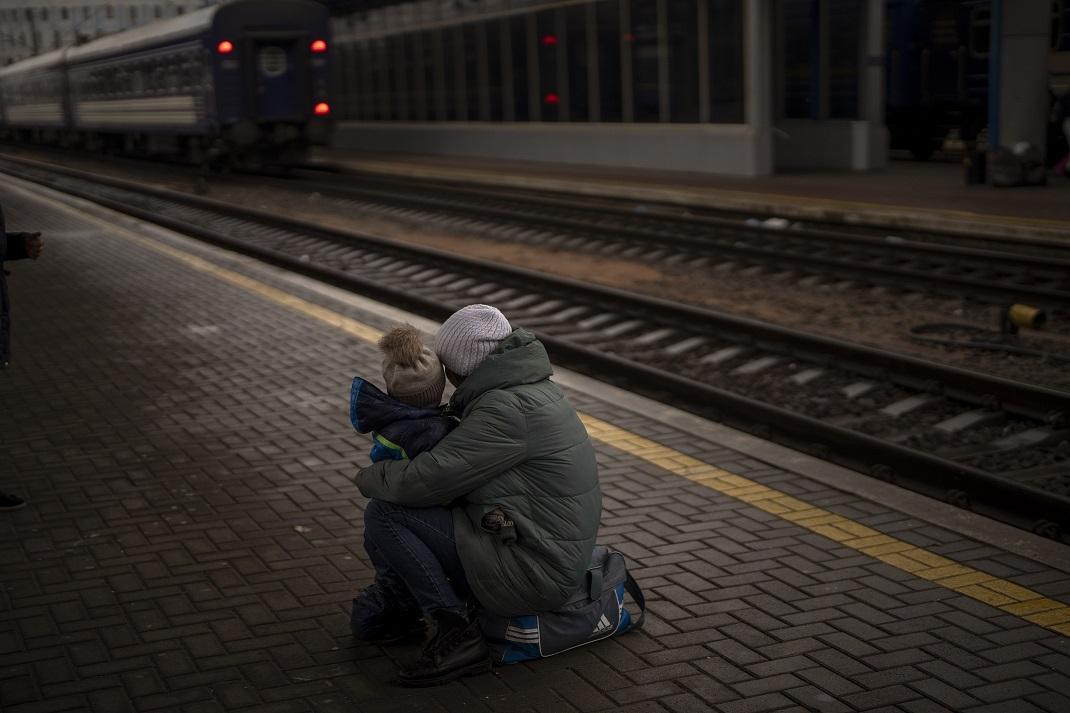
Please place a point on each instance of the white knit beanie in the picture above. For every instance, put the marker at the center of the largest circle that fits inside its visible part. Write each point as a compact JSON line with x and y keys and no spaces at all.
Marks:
{"x":412,"y":372}
{"x":469,"y":336}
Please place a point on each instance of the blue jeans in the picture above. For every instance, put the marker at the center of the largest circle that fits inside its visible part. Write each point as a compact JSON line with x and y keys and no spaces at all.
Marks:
{"x":415,"y":556}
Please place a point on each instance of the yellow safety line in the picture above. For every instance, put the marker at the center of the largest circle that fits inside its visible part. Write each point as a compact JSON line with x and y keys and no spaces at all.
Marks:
{"x":1000,"y":593}
{"x":347,"y":325}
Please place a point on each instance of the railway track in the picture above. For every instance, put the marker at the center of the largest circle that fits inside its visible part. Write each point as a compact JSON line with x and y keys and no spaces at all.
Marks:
{"x":991,"y":271}
{"x":332,"y":176}
{"x":989,"y":444}
{"x":986,"y":269}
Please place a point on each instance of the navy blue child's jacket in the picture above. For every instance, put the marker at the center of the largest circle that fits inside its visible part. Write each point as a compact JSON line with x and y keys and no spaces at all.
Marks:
{"x":398,"y":430}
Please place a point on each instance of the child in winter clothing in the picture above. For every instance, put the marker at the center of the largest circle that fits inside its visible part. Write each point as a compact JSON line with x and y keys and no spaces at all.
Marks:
{"x":406,"y":421}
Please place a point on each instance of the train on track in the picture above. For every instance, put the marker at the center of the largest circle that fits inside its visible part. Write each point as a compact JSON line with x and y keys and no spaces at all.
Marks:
{"x":244,"y":82}
{"x":938,"y":55}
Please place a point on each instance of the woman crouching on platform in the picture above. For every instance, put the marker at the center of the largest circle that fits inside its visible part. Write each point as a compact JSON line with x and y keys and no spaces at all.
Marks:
{"x":502,"y":513}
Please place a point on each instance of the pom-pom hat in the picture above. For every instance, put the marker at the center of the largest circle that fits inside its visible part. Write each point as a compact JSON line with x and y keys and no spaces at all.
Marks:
{"x":413,"y":373}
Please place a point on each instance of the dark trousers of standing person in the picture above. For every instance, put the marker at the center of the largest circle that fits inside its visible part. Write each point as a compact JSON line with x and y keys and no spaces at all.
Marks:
{"x":5,"y":320}
{"x":415,"y":556}
{"x":7,"y":502}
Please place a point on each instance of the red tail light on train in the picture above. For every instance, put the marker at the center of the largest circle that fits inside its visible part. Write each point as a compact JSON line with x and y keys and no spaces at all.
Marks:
{"x":321,"y":109}
{"x":225,"y":47}
{"x":318,"y":46}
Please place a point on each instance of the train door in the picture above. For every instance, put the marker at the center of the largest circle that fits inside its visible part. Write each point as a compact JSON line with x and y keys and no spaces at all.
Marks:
{"x":278,"y":82}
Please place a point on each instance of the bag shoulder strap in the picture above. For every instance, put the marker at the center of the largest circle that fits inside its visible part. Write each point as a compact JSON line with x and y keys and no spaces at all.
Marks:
{"x":632,"y":587}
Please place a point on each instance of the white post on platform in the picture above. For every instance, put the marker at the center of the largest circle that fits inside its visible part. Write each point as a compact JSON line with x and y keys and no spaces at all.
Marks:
{"x":758,"y":84}
{"x":1024,"y":44}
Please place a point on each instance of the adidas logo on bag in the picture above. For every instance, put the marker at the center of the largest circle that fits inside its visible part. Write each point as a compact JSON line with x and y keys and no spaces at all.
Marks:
{"x":533,"y":636}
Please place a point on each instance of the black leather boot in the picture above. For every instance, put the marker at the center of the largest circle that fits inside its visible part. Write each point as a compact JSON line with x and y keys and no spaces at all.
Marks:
{"x":457,"y":649}
{"x":379,"y":617}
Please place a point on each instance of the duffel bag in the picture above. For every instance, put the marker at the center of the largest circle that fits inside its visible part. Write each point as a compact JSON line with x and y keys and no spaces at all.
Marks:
{"x":597,"y":611}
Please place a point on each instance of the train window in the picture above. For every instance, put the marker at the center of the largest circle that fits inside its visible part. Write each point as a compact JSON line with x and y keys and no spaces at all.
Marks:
{"x":366,"y":93}
{"x":474,"y":89}
{"x":456,"y":82}
{"x":349,"y":79}
{"x":417,"y":79}
{"x":799,"y":53}
{"x":725,"y":26}
{"x":391,"y":101}
{"x":496,"y":53}
{"x":682,"y":39}
{"x":133,"y":15}
{"x":371,"y":106}
{"x":844,"y":50}
{"x":376,"y":50}
{"x":434,"y":52}
{"x":518,"y":40}
{"x":577,"y":62}
{"x":44,"y":13}
{"x":980,"y":30}
{"x":157,"y":12}
{"x":482,"y":79}
{"x":63,"y":13}
{"x":109,"y":11}
{"x":449,"y":74}
{"x":399,"y":77}
{"x":646,"y":59}
{"x":506,"y":43}
{"x":608,"y":34}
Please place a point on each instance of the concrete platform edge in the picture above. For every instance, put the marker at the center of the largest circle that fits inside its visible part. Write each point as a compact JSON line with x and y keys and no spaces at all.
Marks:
{"x":801,"y":208}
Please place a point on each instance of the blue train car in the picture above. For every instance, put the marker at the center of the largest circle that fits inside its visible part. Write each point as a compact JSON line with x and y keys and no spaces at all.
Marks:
{"x":245,"y":80}
{"x":938,"y":65}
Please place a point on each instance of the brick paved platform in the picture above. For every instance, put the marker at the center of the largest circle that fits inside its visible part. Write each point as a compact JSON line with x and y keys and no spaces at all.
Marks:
{"x":193,"y":538}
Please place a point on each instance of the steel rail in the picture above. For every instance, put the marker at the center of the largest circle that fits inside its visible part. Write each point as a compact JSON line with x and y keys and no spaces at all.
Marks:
{"x":688,"y":212}
{"x":657,"y":232}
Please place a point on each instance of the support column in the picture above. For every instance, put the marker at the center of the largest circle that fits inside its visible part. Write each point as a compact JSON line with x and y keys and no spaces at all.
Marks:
{"x":1018,"y":85}
{"x":870,"y":149}
{"x":758,"y":84}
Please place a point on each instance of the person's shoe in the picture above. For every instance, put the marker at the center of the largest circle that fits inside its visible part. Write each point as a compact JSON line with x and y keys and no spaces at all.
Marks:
{"x":457,"y":649}
{"x":379,"y":619}
{"x":11,"y":502}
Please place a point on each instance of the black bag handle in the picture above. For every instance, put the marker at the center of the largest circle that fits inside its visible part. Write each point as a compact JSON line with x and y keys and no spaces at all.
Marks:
{"x":632,"y":587}
{"x":594,"y":584}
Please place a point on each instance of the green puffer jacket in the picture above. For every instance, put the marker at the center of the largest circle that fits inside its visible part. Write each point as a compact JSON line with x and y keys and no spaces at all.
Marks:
{"x":519,"y":447}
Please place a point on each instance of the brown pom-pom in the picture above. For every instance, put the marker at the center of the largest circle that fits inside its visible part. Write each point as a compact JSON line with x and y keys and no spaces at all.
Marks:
{"x":402,"y":345}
